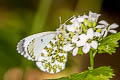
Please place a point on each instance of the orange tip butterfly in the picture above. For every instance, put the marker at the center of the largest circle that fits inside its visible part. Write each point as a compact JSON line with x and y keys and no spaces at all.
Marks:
{"x":45,"y":49}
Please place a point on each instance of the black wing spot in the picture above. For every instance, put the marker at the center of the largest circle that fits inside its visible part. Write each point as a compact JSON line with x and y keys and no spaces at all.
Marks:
{"x":20,"y":46}
{"x":41,"y":40}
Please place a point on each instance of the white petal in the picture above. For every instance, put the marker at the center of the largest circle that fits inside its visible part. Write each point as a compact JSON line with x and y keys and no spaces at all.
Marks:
{"x":90,"y":13}
{"x":103,"y":22}
{"x":76,"y":24}
{"x":102,"y":31}
{"x":86,"y":48}
{"x":74,"y":38}
{"x":80,"y":19}
{"x":80,"y":43}
{"x":85,"y":16}
{"x":113,"y":26}
{"x":71,"y":28}
{"x":105,"y":34}
{"x":97,"y":34}
{"x":94,"y":44}
{"x":67,"y":47}
{"x":113,"y":31}
{"x":100,"y":26}
{"x":83,"y":37}
{"x":90,"y":33}
{"x":93,"y":16}
{"x":75,"y":51}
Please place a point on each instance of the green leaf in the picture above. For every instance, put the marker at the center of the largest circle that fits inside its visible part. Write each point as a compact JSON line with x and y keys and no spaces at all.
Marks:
{"x":101,"y":73}
{"x":109,"y":44}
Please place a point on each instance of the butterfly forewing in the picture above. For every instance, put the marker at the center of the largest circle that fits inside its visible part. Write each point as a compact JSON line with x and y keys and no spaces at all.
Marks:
{"x":38,"y":44}
{"x":27,"y":46}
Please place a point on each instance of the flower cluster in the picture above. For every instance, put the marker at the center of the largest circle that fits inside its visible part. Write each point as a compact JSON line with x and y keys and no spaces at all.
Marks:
{"x":77,"y":33}
{"x":84,"y":32}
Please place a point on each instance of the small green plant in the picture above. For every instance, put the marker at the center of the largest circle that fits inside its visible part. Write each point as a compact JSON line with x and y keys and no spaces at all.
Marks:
{"x":85,"y":34}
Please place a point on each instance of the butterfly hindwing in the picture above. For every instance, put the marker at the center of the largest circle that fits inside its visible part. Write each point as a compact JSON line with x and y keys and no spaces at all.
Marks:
{"x":53,"y":58}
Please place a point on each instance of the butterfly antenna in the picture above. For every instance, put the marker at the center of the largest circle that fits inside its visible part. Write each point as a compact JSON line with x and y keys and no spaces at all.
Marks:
{"x":64,"y":22}
{"x":69,"y":19}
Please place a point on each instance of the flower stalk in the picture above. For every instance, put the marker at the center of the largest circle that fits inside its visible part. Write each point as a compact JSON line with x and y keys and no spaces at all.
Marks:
{"x":91,"y":60}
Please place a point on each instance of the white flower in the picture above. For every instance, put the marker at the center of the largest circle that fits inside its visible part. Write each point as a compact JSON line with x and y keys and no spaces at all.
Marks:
{"x":78,"y":43}
{"x":110,"y":29}
{"x":76,"y":24}
{"x":75,"y":38}
{"x":73,"y":27}
{"x":90,"y":33}
{"x":70,"y":28}
{"x":68,"y":47}
{"x":87,"y":46}
{"x":84,"y":37}
{"x":94,"y":44}
{"x":105,"y":28}
{"x":93,"y":16}
{"x":83,"y":41}
{"x":81,"y":18}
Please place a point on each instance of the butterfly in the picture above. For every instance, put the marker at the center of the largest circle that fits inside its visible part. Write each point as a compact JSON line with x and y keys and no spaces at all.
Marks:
{"x":46,"y":49}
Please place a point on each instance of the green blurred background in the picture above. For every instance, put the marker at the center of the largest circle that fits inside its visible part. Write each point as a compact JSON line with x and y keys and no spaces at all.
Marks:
{"x":21,"y":18}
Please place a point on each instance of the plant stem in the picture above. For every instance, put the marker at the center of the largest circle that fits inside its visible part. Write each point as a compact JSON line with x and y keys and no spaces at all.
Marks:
{"x":41,"y":15}
{"x":91,"y":60}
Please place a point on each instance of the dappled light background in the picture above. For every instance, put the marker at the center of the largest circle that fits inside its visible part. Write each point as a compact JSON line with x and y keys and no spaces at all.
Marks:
{"x":21,"y":18}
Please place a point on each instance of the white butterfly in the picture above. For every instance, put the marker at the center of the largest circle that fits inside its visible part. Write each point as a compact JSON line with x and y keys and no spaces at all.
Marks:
{"x":45,"y":49}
